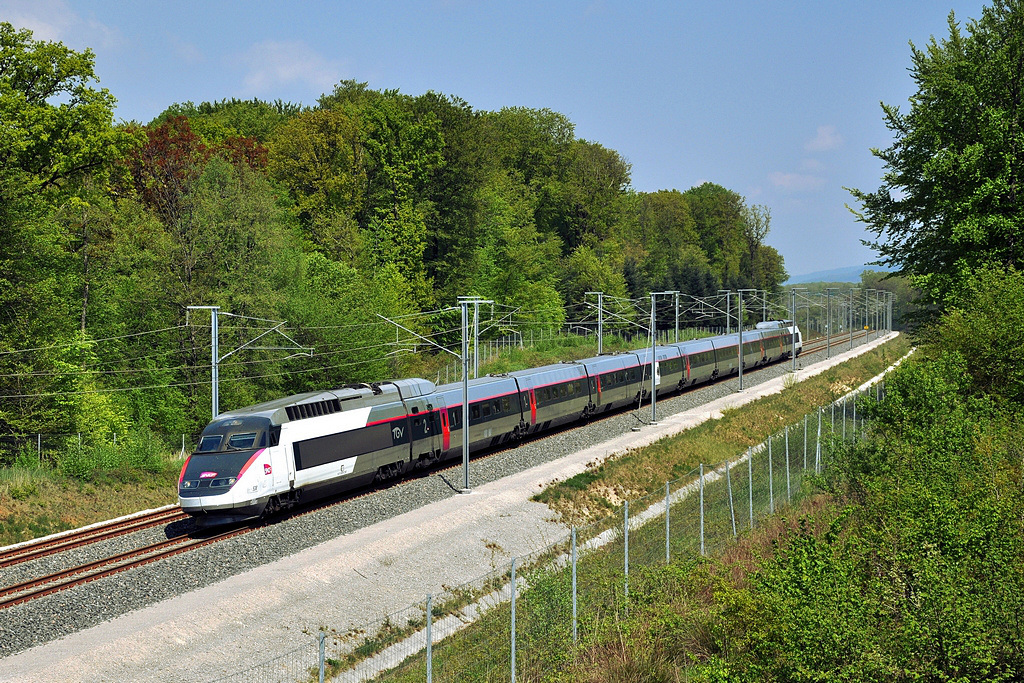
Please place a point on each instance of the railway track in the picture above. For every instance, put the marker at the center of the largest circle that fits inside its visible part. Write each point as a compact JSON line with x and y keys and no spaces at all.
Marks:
{"x":125,"y":561}
{"x":838,"y":343}
{"x":90,"y":571}
{"x":92,"y":534}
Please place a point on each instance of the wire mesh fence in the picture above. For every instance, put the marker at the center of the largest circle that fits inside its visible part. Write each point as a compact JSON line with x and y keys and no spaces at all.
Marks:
{"x":27,"y":450}
{"x":527,"y":619}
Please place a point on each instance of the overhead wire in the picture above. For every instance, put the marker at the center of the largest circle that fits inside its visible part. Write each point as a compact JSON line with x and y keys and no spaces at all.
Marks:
{"x":486,"y":325}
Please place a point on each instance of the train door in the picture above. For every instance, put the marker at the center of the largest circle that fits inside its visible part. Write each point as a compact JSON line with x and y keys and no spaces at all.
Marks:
{"x":445,"y":431}
{"x":434,"y":429}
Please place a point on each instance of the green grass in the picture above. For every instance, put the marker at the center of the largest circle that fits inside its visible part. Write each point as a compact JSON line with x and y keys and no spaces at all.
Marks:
{"x":646,"y":469}
{"x":609,"y":627}
{"x":74,"y":487}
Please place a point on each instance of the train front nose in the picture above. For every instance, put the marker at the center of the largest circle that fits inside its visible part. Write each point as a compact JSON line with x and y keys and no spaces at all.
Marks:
{"x":209,"y":485}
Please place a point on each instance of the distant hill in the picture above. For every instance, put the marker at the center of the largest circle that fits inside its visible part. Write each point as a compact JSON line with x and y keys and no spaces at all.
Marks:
{"x":847,"y":274}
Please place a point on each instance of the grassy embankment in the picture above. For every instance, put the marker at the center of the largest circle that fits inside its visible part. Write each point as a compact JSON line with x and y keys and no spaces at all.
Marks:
{"x":644,"y":470}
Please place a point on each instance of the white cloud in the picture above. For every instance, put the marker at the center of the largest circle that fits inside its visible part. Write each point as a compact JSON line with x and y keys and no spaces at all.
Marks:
{"x":826,"y":139}
{"x":54,"y":20}
{"x":812,"y":165}
{"x":795,"y":182}
{"x":273,"y":63}
{"x":188,"y":53}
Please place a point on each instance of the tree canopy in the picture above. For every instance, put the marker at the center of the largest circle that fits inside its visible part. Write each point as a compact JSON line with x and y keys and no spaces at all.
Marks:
{"x":951,"y":196}
{"x":368,"y":203}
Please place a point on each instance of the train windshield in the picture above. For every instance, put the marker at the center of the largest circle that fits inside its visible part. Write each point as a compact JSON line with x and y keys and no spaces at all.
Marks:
{"x":235,"y":434}
{"x":241,"y":441}
{"x":209,"y":443}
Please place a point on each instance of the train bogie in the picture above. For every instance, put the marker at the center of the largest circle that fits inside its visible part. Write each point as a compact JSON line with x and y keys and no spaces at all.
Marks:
{"x":669,"y":369}
{"x":495,"y":413}
{"x":614,"y":380}
{"x":699,"y":358}
{"x":556,"y":395}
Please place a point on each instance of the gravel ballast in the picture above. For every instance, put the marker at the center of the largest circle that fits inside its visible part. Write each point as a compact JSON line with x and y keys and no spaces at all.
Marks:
{"x":222,"y":608}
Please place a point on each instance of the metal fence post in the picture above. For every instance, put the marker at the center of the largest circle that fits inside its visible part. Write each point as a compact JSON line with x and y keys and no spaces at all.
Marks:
{"x":430,"y":640}
{"x":854,"y":435}
{"x":805,"y":441}
{"x":771,"y":481}
{"x":750,"y":480}
{"x":575,"y":623}
{"x":817,"y":448}
{"x":728,"y":484}
{"x":702,"y":508}
{"x":323,"y":638}
{"x":666,"y":522}
{"x":844,"y":419}
{"x":625,"y":531}
{"x":789,"y":496}
{"x":512,"y":656}
{"x":39,"y":447}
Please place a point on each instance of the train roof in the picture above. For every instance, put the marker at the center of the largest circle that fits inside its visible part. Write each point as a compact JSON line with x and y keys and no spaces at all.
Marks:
{"x":545,"y":373}
{"x":660,"y":352}
{"x":481,"y":387}
{"x":610,"y":363}
{"x":696,"y":345}
{"x":773,"y":324}
{"x":348,"y":397}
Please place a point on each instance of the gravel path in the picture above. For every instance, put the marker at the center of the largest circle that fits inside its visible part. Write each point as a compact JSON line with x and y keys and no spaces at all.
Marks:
{"x":222,"y":608}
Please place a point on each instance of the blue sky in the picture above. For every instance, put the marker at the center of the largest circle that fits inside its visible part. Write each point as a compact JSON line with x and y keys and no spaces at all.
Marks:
{"x":778,"y":101}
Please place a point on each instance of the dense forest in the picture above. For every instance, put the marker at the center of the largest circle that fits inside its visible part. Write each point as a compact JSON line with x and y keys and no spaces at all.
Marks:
{"x":367,"y":203}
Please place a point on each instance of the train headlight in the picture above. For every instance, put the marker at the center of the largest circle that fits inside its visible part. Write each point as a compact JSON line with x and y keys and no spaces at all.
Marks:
{"x":190,"y":484}
{"x":223,"y":482}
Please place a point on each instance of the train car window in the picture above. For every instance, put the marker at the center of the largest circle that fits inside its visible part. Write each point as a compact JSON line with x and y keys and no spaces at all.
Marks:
{"x":571,"y":389}
{"x":506,"y":406}
{"x":209,"y":444}
{"x":563,"y":391}
{"x":242,"y":441}
{"x":275,"y":435}
{"x":497,"y":407}
{"x":263,"y":440}
{"x":486,"y":409}
{"x":474,"y":412}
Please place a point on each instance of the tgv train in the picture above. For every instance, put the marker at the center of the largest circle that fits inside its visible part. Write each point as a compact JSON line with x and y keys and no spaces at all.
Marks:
{"x":257,"y":460}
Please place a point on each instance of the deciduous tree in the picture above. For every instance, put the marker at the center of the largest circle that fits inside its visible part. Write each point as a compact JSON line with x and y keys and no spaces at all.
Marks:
{"x":951,"y":197}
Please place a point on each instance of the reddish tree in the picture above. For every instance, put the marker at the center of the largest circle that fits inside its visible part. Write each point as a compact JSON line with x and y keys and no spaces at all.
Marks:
{"x":244,"y":150}
{"x":163,"y":170}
